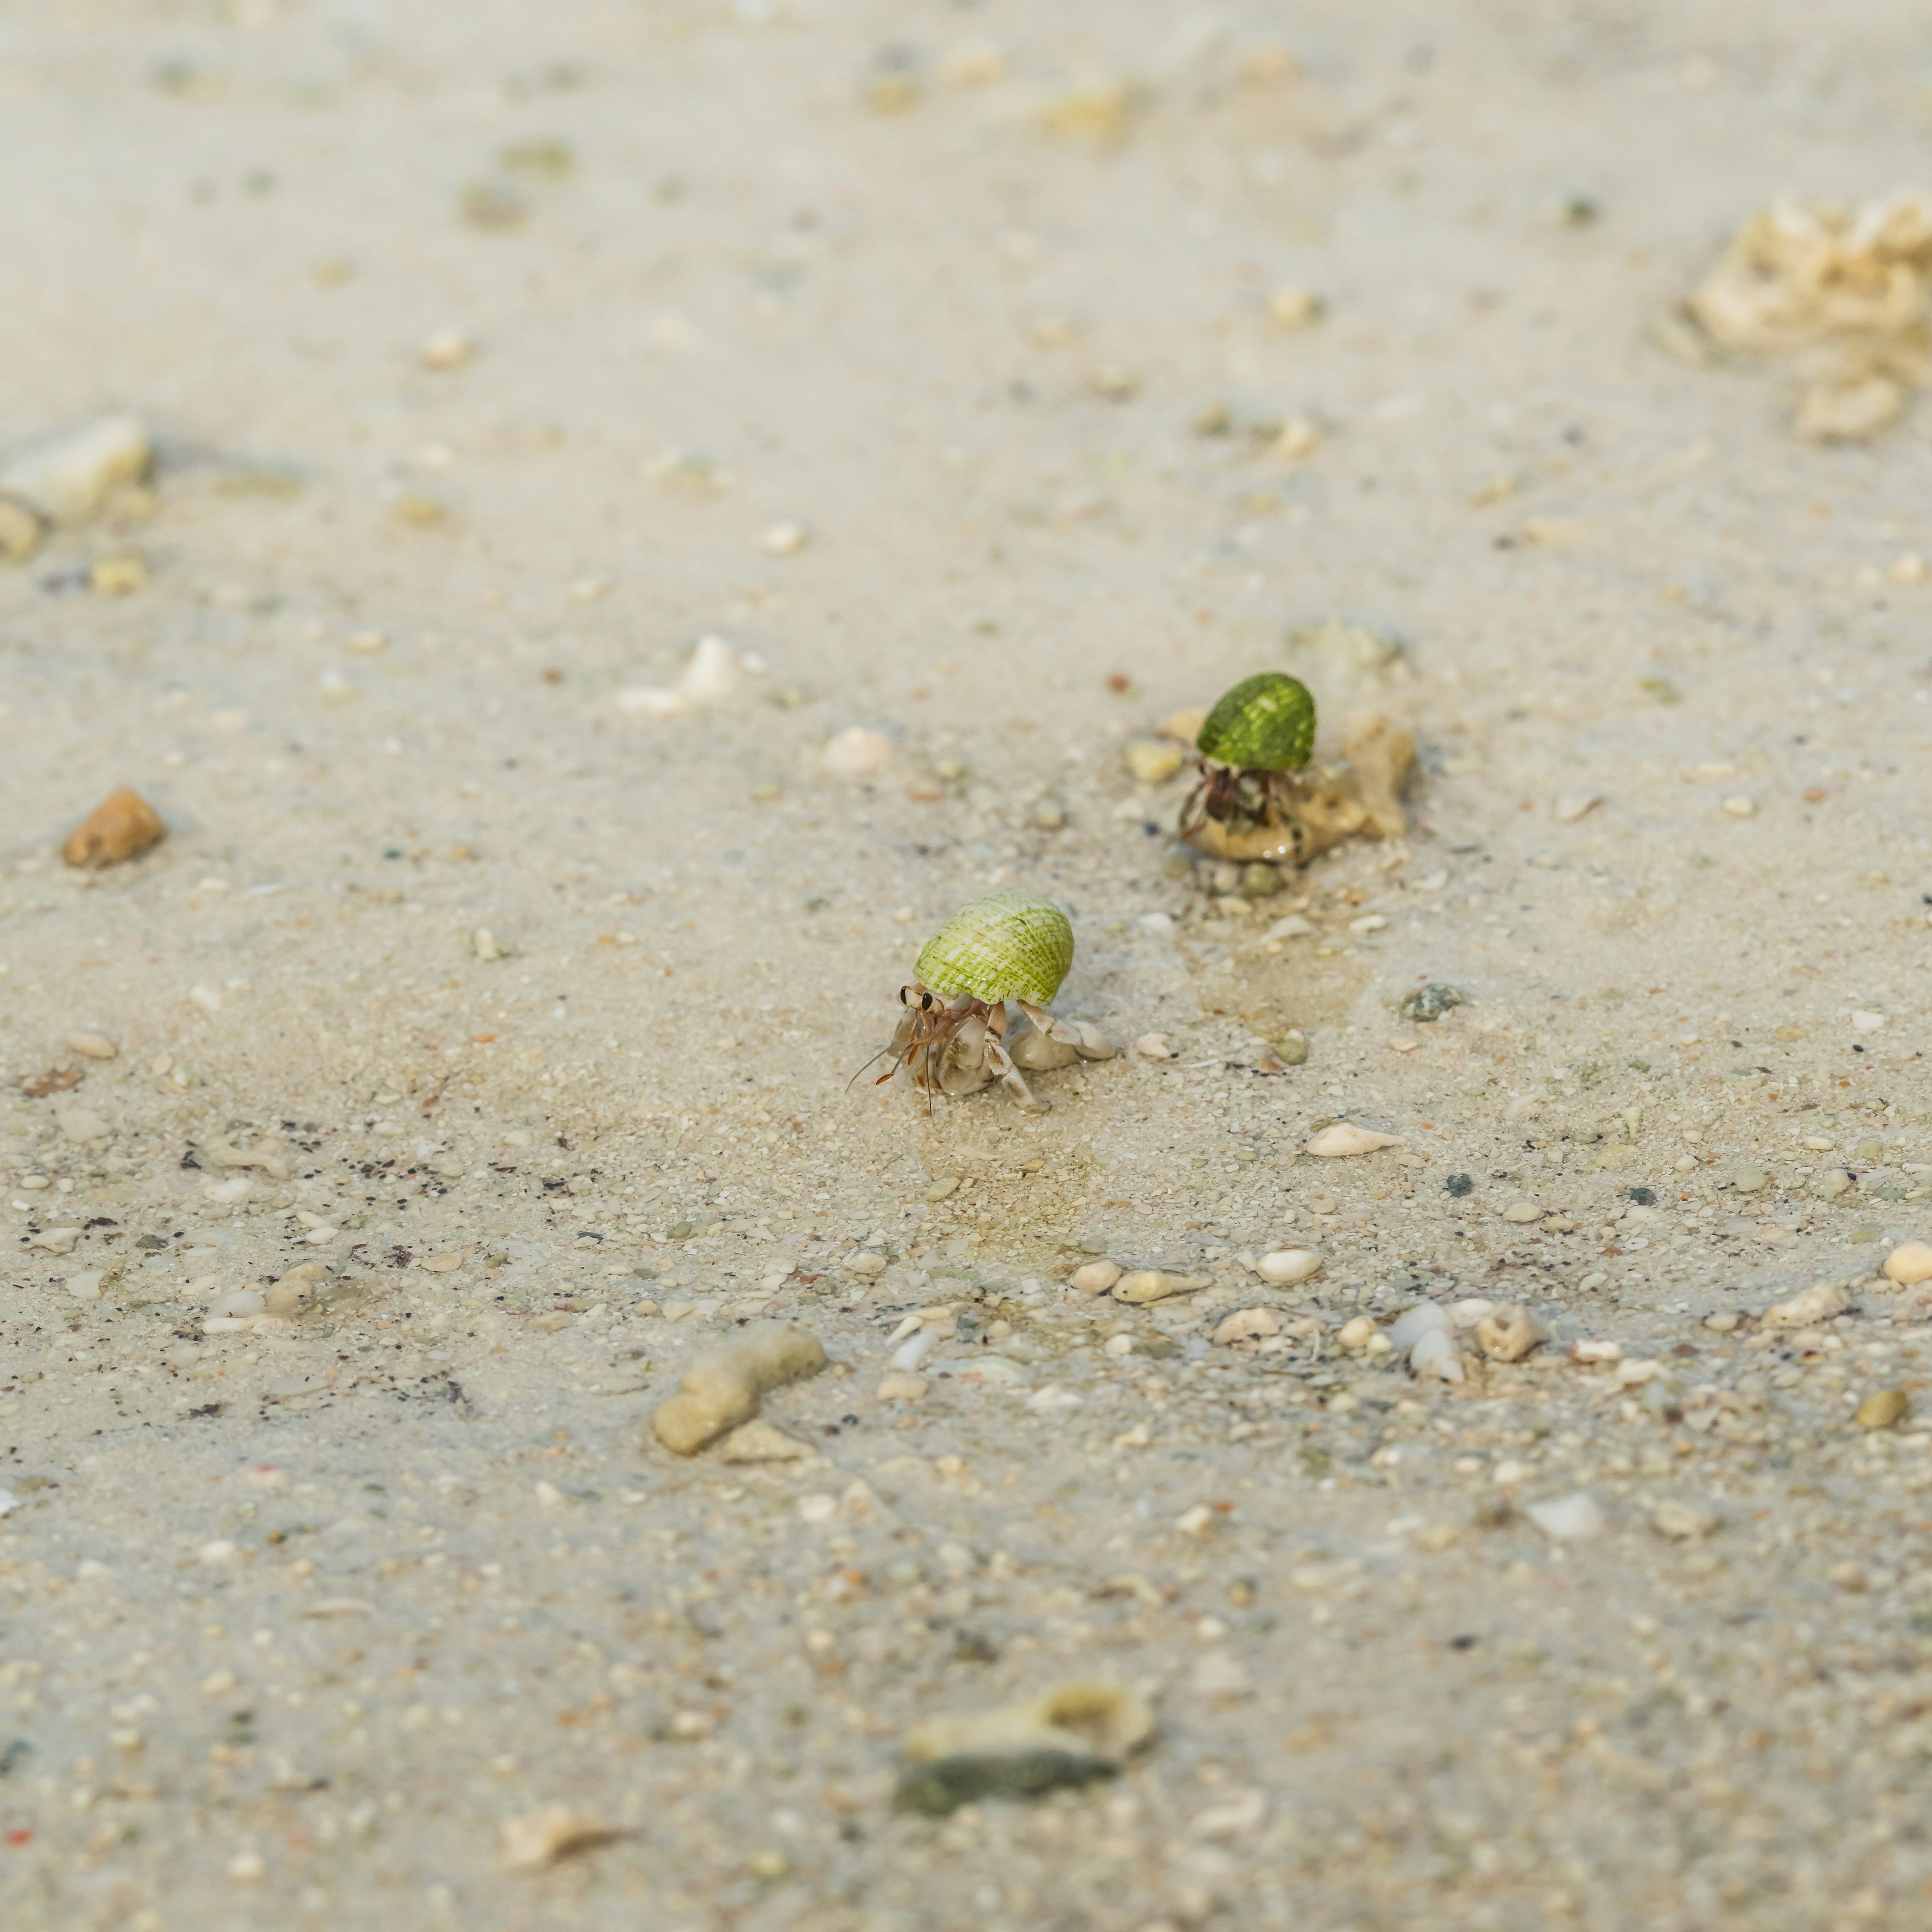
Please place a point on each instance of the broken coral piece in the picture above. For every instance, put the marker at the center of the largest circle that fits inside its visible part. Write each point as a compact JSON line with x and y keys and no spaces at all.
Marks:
{"x":1840,"y":295}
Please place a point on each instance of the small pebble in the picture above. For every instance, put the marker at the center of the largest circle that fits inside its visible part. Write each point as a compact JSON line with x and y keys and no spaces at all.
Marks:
{"x":1294,"y":307}
{"x":537,"y":1840}
{"x":1153,"y":1046}
{"x":91,"y":1045}
{"x":71,"y":476}
{"x":1749,"y":1179}
{"x":783,"y":539}
{"x":1741,"y":807}
{"x":1097,"y":1277}
{"x":1908,"y":1264}
{"x":1524,"y":1211}
{"x":122,"y":827}
{"x":1345,"y":1138}
{"x":1885,"y":1408}
{"x":1292,"y":1049}
{"x":1357,"y":1332}
{"x":1429,"y":1004}
{"x":758,"y":1441}
{"x":857,"y":754}
{"x":1152,"y":762}
{"x":447,"y":348}
{"x":1569,"y":1519}
{"x":1807,"y":1309}
{"x":1283,"y":1268}
{"x":1246,"y":1324}
{"x":901,"y":1388}
{"x":1682,"y":1522}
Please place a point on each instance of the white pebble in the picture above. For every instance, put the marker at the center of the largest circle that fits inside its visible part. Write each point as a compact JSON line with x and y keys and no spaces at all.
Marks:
{"x":71,"y":476}
{"x":1153,"y":1046}
{"x":1909,"y":1264}
{"x":1096,"y":1277}
{"x":1863,"y":1021}
{"x":1345,"y":1138}
{"x":856,"y":753}
{"x":1284,"y":1267}
{"x":1569,"y":1518}
{"x":1246,"y":1324}
{"x":91,"y":1045}
{"x":783,"y":539}
{"x":240,"y":1303}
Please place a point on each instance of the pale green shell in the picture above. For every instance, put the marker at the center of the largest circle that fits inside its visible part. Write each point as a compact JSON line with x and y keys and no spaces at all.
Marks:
{"x":1007,"y":945}
{"x":1264,"y":723}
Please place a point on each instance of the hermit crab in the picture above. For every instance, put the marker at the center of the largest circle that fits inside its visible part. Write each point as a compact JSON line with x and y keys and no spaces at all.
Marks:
{"x":1255,"y":800}
{"x":955,"y":1035}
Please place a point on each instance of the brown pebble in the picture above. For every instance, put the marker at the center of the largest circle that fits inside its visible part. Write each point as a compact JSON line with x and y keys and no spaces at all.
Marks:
{"x":1885,"y":1408}
{"x":122,"y":826}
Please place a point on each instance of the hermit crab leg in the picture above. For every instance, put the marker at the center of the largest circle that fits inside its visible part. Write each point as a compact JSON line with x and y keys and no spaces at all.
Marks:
{"x":1012,"y":1075}
{"x":1063,"y":1030}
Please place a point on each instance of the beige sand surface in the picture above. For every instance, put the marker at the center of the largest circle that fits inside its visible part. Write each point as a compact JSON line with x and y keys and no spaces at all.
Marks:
{"x":980,"y":299}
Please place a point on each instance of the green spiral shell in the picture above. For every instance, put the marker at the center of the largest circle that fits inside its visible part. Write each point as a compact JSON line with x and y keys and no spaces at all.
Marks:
{"x":1265,"y":723}
{"x":1007,"y":945}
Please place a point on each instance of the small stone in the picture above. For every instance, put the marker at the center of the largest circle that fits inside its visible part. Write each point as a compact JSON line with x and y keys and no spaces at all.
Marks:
{"x":1292,"y":1049}
{"x":1096,"y":1277}
{"x":447,"y":348}
{"x":1294,"y":307}
{"x":122,"y":827}
{"x":80,"y":1125}
{"x":1909,"y":1263}
{"x":1807,"y":1309}
{"x":91,"y":1045}
{"x":1741,"y":807}
{"x":1345,"y":1138}
{"x":487,"y":947}
{"x":1749,"y":1179}
{"x":1283,"y":1268}
{"x":1569,"y":1519}
{"x":1885,"y":1408}
{"x":867,"y":1262}
{"x":20,"y":530}
{"x":1357,"y":1332}
{"x":55,"y":1240}
{"x":1510,"y":1334}
{"x":1682,"y":1522}
{"x":1153,"y":1046}
{"x":1152,"y":1284}
{"x":238,"y":1304}
{"x":1867,"y":1022}
{"x":1246,"y":1324}
{"x":1151,"y":762}
{"x":1458,"y":1186}
{"x":857,"y":754}
{"x":758,"y":1441}
{"x":901,"y":1388}
{"x":537,"y":1839}
{"x":783,"y":539}
{"x":1849,"y":1577}
{"x":71,"y":476}
{"x":1294,"y":926}
{"x":1832,"y":1183}
{"x":1429,"y":1004}
{"x":1523,"y":1211}
{"x":119,"y":575}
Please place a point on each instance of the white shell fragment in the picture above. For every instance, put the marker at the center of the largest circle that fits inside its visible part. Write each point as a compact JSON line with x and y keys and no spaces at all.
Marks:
{"x":1426,"y":1334}
{"x":1569,"y":1519}
{"x":1344,"y":1138}
{"x":1096,"y":1277}
{"x":70,"y":476}
{"x":713,"y":676}
{"x":856,"y":753}
{"x":1152,"y":1285}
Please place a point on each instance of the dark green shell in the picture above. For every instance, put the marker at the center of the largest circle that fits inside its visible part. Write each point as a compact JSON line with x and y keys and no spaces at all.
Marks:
{"x":1265,"y":723}
{"x":1007,"y":945}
